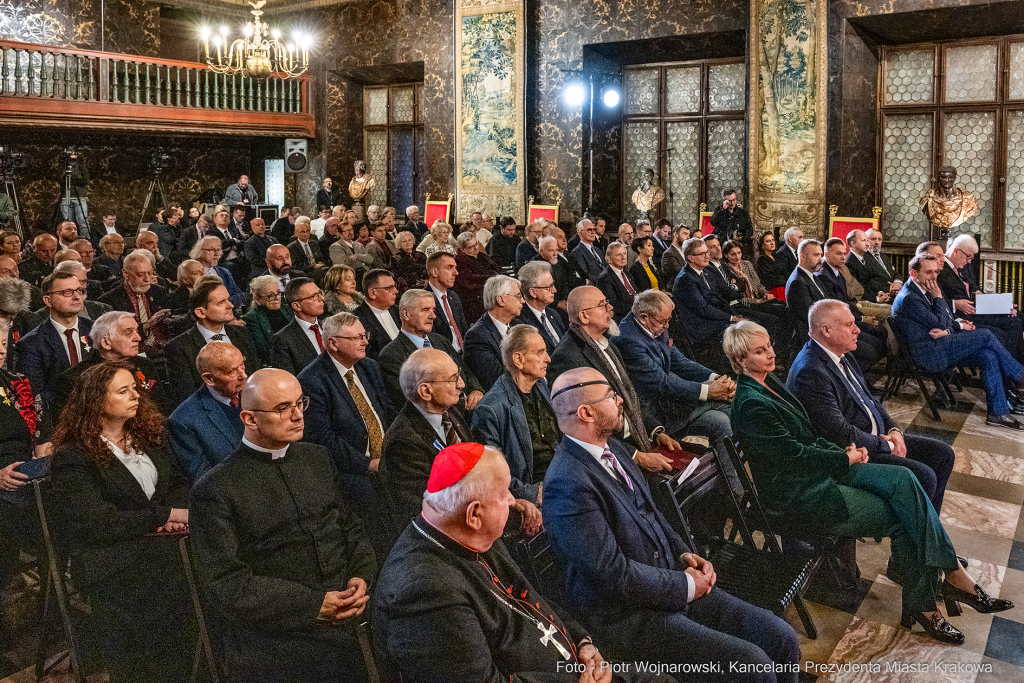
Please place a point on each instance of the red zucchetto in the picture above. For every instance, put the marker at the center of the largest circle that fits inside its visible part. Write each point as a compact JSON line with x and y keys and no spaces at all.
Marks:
{"x":452,"y":464}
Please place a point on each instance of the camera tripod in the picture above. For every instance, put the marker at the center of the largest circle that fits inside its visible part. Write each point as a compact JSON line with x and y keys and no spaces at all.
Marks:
{"x":70,"y":205}
{"x":155,"y":185}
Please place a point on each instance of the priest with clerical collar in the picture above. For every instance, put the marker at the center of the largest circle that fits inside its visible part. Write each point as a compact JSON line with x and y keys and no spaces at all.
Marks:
{"x":452,"y":605}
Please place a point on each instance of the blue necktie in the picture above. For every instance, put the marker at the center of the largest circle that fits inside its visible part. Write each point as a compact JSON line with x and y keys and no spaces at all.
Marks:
{"x":865,"y":398}
{"x":426,"y":343}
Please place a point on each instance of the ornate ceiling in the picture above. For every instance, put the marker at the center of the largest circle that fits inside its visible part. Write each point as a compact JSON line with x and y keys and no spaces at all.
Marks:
{"x":242,"y":8}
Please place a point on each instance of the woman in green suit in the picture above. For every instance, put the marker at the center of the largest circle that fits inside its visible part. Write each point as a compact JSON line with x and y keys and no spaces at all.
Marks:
{"x":817,"y":486}
{"x":266,"y":316}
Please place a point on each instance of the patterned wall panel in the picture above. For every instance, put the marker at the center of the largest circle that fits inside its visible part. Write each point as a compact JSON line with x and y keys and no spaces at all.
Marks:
{"x":682,"y":170}
{"x":377,"y":163}
{"x":907,"y":154}
{"x":682,"y":90}
{"x":968,"y":146}
{"x":727,"y":87}
{"x":971,"y":73}
{"x":1015,"y":181}
{"x":641,"y":150}
{"x":641,"y":87}
{"x":727,"y":142}
{"x":909,"y":77}
{"x":1017,"y":71}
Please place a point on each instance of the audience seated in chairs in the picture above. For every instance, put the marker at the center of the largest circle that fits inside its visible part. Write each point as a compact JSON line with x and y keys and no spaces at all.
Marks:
{"x":347,"y":251}
{"x":305,"y":251}
{"x":503,"y":244}
{"x":378,"y":312}
{"x":409,"y":265}
{"x":842,"y":409}
{"x":206,"y":428}
{"x":867,"y":270}
{"x":503,"y":302}
{"x":672,"y":260}
{"x":566,"y":270}
{"x":165,"y":270}
{"x":114,"y":485}
{"x":588,"y":255}
{"x":300,"y":342}
{"x":92,"y":309}
{"x":267,"y":316}
{"x":939,"y":343}
{"x":702,"y":311}
{"x":516,"y":417}
{"x":641,"y":591}
{"x":816,"y":485}
{"x":644,"y":272}
{"x":527,"y":249}
{"x":416,"y":311}
{"x":439,"y":239}
{"x":454,"y":606}
{"x":255,"y":248}
{"x":787,"y":254}
{"x":147,"y":301}
{"x":877,"y":261}
{"x":614,"y":281}
{"x":208,"y":251}
{"x":475,"y":267}
{"x":450,"y":319}
{"x":771,"y":270}
{"x":15,"y":295}
{"x":429,"y":421}
{"x":341,"y":291}
{"x":539,"y":291}
{"x":40,"y":264}
{"x":283,"y":562}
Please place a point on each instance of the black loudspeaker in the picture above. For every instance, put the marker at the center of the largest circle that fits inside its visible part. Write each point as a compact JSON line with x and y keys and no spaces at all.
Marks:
{"x":295,"y":159}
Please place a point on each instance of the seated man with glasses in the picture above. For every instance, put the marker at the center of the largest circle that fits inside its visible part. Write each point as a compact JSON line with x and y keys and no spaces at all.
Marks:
{"x":429,"y":421}
{"x":502,"y":303}
{"x":635,"y":584}
{"x":299,"y":342}
{"x":280,"y":557}
{"x":61,"y":342}
{"x":378,"y":311}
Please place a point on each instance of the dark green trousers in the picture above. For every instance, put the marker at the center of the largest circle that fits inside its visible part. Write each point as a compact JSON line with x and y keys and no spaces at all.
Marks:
{"x":887,"y":500}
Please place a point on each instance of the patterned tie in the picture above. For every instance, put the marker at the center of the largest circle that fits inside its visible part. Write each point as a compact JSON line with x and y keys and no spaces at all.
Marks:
{"x":451,"y":319}
{"x":610,"y":458}
{"x":373,"y":431}
{"x":629,"y":287}
{"x":150,"y":337}
{"x":426,"y":343}
{"x":865,"y":399}
{"x":319,"y":338}
{"x":220,"y":336}
{"x":234,"y":401}
{"x":547,"y":324}
{"x":309,"y":253}
{"x":450,"y":435}
{"x":72,"y":346}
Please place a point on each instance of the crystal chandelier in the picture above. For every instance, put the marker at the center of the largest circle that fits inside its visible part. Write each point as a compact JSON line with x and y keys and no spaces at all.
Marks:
{"x":257,"y":55}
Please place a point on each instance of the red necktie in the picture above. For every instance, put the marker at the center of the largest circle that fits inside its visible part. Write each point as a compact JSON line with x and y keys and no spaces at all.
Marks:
{"x":451,"y":319}
{"x":72,"y":346}
{"x":319,"y":339}
{"x":234,"y":401}
{"x":629,"y":287}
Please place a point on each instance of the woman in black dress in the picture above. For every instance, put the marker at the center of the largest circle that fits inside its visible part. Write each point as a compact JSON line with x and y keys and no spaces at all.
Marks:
{"x":772,"y":273}
{"x":115,"y":487}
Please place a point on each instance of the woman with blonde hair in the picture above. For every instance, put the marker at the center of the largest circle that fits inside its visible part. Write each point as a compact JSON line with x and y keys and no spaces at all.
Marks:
{"x":341,"y":292}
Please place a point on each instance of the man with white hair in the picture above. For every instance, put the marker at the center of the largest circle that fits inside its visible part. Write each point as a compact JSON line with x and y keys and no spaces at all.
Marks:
{"x":413,"y":223}
{"x":588,"y":255}
{"x":208,"y":252}
{"x":15,"y":296}
{"x":538,"y":287}
{"x":147,"y":301}
{"x":503,"y":302}
{"x":547,"y":250}
{"x":786,"y":253}
{"x":305,"y":251}
{"x":429,"y":421}
{"x":457,"y":607}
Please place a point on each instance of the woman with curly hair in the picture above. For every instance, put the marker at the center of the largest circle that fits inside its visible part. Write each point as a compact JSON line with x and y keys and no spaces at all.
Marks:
{"x":114,"y":488}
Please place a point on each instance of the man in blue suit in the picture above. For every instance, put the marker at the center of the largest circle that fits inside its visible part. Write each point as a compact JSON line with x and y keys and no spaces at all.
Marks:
{"x":873,"y":344}
{"x":680,"y":394}
{"x":207,"y":427}
{"x":839,"y":402}
{"x":538,"y":287}
{"x":588,"y":254}
{"x":502,"y":303}
{"x":938,"y":342}
{"x":526,"y":250}
{"x":61,"y":341}
{"x":700,"y":308}
{"x":638,"y":587}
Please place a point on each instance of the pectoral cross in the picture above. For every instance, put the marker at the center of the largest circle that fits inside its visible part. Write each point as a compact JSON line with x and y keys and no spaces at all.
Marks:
{"x":549,"y":637}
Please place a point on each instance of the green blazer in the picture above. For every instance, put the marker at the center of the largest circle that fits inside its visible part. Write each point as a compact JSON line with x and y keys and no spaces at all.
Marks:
{"x":259,"y":328}
{"x":794,"y":469}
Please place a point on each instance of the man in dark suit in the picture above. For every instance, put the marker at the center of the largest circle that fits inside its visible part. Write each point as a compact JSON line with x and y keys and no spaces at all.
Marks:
{"x":283,"y":229}
{"x":305,"y":251}
{"x":148,"y":302}
{"x":59,"y":343}
{"x":503,"y":302}
{"x":731,"y":221}
{"x":802,"y":289}
{"x":838,"y":400}
{"x":614,"y":281}
{"x":702,"y":311}
{"x":214,"y":315}
{"x":95,"y":272}
{"x":93,"y":307}
{"x":873,"y":344}
{"x":527,"y":249}
{"x":588,"y":255}
{"x":413,"y":223}
{"x":34,"y":269}
{"x":299,"y":342}
{"x":639,"y":588}
{"x":378,"y":311}
{"x":166,"y":231}
{"x":279,"y":555}
{"x":938,"y":342}
{"x":207,"y":427}
{"x":661,"y":238}
{"x":566,"y":271}
{"x":786,"y":254}
{"x":539,"y":291}
{"x":673,"y":261}
{"x":429,"y":421}
{"x":416,"y":311}
{"x":107,"y":227}
{"x":877,"y":261}
{"x":255,"y":248}
{"x":449,"y":320}
{"x":230,"y":238}
{"x":876,"y":285}
{"x":325,"y":198}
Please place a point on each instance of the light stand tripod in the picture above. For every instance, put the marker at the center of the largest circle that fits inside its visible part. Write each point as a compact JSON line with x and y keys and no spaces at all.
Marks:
{"x":70,"y":206}
{"x":155,"y":185}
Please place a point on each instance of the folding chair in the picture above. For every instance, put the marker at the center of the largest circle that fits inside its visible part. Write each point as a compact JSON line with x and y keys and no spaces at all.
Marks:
{"x":764,"y":577}
{"x":534,"y":557}
{"x":204,"y":650}
{"x":905,"y":367}
{"x":362,"y":631}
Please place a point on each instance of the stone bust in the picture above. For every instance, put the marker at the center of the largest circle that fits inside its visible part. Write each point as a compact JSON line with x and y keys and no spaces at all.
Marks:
{"x":648,"y":195}
{"x":945,"y":205}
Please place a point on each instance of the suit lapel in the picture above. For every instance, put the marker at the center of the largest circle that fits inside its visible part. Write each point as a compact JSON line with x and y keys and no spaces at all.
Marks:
{"x":53,"y":340}
{"x":214,"y":414}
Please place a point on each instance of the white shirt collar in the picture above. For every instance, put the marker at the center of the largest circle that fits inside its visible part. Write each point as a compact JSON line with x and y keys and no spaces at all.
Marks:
{"x":139,"y":465}
{"x":835,"y":359}
{"x":920,"y":288}
{"x":61,"y":329}
{"x":275,"y":453}
{"x":437,"y":292}
{"x":208,"y":334}
{"x":304,"y":325}
{"x":538,"y":313}
{"x":218,"y":397}
{"x":809,"y":273}
{"x":859,"y":256}
{"x":502,"y":327}
{"x":435,"y":421}
{"x":596,"y":451}
{"x":829,"y":265}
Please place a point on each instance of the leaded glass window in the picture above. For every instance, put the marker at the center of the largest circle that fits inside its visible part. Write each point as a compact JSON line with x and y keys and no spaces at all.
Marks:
{"x":393,"y":145}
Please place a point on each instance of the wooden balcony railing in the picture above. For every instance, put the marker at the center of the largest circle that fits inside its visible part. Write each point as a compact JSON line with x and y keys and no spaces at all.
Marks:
{"x":41,"y":85}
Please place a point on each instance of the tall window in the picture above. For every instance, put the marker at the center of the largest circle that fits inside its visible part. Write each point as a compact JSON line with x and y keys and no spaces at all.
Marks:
{"x":686,"y":121}
{"x":960,"y":104}
{"x":393,"y":144}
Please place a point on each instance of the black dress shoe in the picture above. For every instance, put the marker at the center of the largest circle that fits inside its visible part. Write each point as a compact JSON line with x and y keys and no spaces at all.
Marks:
{"x":935,"y":626}
{"x":1007,"y":421}
{"x":979,"y":600}
{"x":962,"y":561}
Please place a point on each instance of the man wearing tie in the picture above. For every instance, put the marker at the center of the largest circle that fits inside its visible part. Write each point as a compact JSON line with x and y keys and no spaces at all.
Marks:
{"x":700,"y":309}
{"x":588,"y":255}
{"x":614,"y":282}
{"x":300,"y":341}
{"x":842,"y":409}
{"x":538,"y":287}
{"x":429,"y":421}
{"x":449,"y":320}
{"x":503,"y":302}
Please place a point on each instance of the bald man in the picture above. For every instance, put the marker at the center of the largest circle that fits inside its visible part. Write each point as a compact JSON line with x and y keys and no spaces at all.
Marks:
{"x":280,"y":557}
{"x":206,"y":428}
{"x":40,"y":264}
{"x":255,"y":248}
{"x":642,"y":592}
{"x":279,"y":264}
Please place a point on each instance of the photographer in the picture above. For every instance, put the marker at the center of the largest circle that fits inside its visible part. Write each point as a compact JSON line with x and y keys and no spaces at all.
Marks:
{"x":73,"y":204}
{"x":732,"y":222}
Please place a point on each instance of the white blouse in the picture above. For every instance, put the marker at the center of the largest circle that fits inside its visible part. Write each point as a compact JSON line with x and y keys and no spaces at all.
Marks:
{"x":139,"y":464}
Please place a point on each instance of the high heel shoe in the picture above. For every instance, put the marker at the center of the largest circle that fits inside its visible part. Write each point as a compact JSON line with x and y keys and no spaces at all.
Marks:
{"x":979,"y":600}
{"x":935,"y":626}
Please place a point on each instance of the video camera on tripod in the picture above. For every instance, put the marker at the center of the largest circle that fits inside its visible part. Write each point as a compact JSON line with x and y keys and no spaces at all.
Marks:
{"x":9,"y":160}
{"x":159,"y":161}
{"x":70,"y":160}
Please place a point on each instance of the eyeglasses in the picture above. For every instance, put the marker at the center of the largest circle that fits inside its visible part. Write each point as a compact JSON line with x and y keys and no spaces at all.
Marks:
{"x":272,"y":297}
{"x":550,"y":287}
{"x":301,"y":406}
{"x":518,"y":295}
{"x":68,"y":293}
{"x":603,"y":304}
{"x":700,"y":253}
{"x":454,"y":380}
{"x":358,"y":337}
{"x":389,"y":288}
{"x":967,"y":255}
{"x":317,"y":295}
{"x":612,"y":395}
{"x":661,"y":321}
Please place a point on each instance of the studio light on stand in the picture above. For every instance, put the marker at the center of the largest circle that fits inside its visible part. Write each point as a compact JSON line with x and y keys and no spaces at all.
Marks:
{"x":578,"y":92}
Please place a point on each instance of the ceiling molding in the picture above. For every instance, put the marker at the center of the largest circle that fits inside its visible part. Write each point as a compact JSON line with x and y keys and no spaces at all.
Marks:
{"x":239,"y":8}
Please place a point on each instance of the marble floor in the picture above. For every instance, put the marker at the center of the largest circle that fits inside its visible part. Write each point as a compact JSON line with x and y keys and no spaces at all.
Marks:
{"x":859,"y":636}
